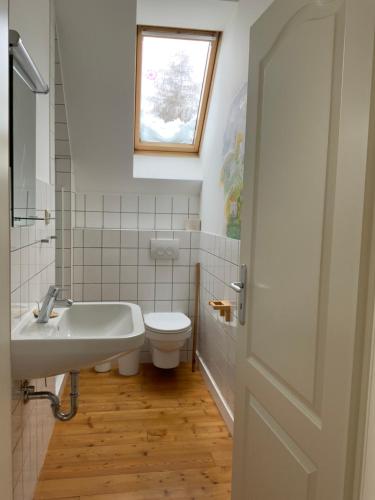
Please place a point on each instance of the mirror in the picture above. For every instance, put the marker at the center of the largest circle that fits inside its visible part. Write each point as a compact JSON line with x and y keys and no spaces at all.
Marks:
{"x":23,"y":151}
{"x":25,"y":82}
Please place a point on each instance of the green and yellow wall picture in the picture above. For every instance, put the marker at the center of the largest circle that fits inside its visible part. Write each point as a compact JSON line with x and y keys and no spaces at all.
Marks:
{"x":233,"y":163}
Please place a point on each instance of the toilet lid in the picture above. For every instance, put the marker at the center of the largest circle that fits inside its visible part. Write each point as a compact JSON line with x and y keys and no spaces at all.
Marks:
{"x":167,"y":322}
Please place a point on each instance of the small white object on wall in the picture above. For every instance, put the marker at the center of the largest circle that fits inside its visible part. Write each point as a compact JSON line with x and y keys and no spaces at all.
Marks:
{"x":162,"y":249}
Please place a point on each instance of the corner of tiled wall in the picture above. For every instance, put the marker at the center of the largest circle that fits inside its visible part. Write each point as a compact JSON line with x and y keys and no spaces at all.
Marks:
{"x":64,"y":182}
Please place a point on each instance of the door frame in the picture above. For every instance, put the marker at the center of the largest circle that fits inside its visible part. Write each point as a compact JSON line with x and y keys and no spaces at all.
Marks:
{"x":5,"y":323}
{"x":364,"y":406}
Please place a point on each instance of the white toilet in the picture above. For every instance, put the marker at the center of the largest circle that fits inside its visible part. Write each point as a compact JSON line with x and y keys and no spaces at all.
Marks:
{"x":167,"y":332}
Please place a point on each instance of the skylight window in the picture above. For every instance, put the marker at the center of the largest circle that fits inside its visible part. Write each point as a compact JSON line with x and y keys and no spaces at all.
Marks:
{"x":174,"y":75}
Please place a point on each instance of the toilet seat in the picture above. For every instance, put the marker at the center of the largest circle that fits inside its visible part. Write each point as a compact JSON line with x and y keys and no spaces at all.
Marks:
{"x":167,"y":323}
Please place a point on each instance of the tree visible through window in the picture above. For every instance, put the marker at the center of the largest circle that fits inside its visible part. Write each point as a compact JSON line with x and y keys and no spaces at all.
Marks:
{"x":174,"y":72}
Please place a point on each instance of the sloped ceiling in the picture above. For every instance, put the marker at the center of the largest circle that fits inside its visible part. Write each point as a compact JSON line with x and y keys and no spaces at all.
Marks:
{"x":198,"y":14}
{"x":97,"y":48}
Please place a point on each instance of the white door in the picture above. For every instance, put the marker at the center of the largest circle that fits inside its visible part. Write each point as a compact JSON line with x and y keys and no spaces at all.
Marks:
{"x":305,"y":168}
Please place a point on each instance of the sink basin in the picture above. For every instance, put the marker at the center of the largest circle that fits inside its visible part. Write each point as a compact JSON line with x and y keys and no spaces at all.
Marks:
{"x":83,"y":335}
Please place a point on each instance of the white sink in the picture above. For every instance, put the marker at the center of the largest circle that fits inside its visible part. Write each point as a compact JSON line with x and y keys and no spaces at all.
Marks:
{"x":83,"y":335}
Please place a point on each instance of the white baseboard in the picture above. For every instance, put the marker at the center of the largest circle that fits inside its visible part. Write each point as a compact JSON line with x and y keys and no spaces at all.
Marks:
{"x":219,"y":399}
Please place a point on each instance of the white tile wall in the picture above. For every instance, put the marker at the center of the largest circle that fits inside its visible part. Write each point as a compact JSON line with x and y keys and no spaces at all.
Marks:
{"x":32,"y":262}
{"x":134,"y":211}
{"x":116,"y":265}
{"x":32,"y":425}
{"x":32,"y":272}
{"x":219,"y":257}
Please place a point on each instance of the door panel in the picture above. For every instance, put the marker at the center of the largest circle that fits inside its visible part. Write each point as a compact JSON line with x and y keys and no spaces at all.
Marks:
{"x":294,"y":116}
{"x":267,"y":447}
{"x":305,"y":170}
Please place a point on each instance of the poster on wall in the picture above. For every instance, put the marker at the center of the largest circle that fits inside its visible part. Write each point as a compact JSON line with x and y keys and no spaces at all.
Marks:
{"x":233,"y":163}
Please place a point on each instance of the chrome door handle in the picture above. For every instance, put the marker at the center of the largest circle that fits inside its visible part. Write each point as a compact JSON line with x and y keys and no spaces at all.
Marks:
{"x":240,"y":288}
{"x":237,"y":286}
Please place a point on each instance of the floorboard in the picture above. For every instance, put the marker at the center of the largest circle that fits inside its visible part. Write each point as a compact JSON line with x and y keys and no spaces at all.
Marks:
{"x":153,"y":436}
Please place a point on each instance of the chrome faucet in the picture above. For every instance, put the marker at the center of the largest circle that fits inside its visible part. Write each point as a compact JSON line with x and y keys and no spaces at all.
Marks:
{"x":48,"y":304}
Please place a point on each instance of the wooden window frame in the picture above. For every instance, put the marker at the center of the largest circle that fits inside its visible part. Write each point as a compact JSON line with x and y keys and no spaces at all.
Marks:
{"x":171,"y":148}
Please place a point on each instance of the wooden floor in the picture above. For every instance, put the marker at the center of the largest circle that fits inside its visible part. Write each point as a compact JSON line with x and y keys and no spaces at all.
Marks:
{"x":152,"y":436}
